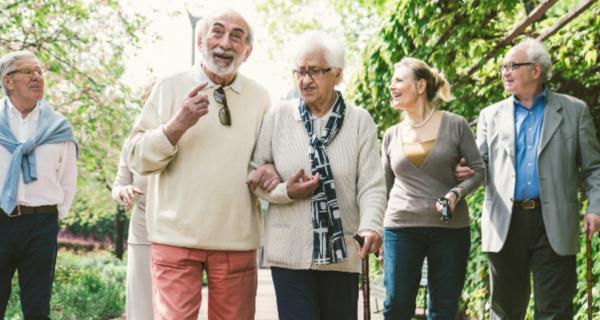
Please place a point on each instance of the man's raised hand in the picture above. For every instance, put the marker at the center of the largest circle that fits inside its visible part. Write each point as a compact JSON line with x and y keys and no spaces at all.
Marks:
{"x":193,"y":108}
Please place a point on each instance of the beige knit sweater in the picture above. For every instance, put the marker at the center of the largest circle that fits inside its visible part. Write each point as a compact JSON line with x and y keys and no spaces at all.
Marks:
{"x":359,"y":183}
{"x":197,"y":196}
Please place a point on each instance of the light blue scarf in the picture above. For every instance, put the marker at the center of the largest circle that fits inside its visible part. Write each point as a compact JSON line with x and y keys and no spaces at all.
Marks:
{"x":52,"y":128}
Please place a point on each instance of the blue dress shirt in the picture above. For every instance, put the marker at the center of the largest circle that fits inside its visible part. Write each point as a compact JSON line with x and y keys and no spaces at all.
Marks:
{"x":528,"y":130}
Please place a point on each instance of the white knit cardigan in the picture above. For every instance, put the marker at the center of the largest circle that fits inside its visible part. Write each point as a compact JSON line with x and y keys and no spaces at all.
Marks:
{"x":359,"y":182}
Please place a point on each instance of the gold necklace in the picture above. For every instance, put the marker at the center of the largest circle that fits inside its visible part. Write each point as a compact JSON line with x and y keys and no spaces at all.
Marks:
{"x":424,"y":121}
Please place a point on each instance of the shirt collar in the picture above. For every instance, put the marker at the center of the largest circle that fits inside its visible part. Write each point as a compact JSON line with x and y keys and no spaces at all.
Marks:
{"x":542,"y":97}
{"x":13,"y":112}
{"x":200,"y":76}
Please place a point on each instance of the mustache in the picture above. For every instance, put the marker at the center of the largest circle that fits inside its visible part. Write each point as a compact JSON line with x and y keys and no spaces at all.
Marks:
{"x":227,"y":53}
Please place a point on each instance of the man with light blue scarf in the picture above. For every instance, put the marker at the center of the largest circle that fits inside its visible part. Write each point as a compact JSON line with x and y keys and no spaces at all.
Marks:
{"x":37,"y":175}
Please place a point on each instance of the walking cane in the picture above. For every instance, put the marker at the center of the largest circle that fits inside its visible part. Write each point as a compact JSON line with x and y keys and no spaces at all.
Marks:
{"x":588,"y":245}
{"x":365,"y":281}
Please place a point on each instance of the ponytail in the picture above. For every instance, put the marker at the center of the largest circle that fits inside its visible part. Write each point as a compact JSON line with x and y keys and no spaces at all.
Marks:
{"x":438,"y":88}
{"x":441,"y":85}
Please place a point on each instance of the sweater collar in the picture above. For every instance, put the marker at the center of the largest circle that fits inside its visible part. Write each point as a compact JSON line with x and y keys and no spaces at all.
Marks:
{"x":200,"y":76}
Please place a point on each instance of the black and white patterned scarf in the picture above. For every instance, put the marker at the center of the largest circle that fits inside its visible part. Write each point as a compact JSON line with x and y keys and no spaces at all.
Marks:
{"x":328,"y":234}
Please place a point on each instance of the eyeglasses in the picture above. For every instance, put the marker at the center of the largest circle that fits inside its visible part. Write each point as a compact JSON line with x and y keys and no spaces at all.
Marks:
{"x":512,"y":66}
{"x":224,"y":114}
{"x":28,"y":71}
{"x":313,"y":73}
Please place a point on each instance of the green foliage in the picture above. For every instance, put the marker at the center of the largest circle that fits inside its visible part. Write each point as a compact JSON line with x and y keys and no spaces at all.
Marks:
{"x":447,"y":35}
{"x":455,"y":36}
{"x":82,"y":45}
{"x":476,"y":290}
{"x":85,"y":287}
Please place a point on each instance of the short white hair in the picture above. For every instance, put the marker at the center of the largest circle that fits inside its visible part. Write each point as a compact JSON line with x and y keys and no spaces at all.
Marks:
{"x":537,"y":53}
{"x":7,"y":64}
{"x":204,"y":24}
{"x":311,"y":42}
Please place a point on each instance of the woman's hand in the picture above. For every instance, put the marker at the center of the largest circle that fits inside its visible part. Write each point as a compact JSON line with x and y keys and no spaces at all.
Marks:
{"x":451,"y":202}
{"x":462,"y":172}
{"x":372,"y":242}
{"x":128,"y":194}
{"x":300,"y":186}
{"x":264,"y":176}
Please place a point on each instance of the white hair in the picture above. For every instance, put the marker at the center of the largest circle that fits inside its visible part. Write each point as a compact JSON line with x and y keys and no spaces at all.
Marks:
{"x":311,"y":42}
{"x":537,"y":53}
{"x":7,"y":64}
{"x":204,"y":24}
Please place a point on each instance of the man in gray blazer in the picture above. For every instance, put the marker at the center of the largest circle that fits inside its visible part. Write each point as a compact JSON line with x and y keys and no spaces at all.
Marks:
{"x":537,"y":145}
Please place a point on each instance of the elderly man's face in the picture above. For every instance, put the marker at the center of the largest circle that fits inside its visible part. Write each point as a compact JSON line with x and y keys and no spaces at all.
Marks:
{"x":519,"y":79}
{"x":25,"y":82}
{"x":317,"y":90}
{"x":224,"y":46}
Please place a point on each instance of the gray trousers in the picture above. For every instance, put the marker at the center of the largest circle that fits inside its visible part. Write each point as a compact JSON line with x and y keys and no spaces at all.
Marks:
{"x":527,"y":250}
{"x":138,"y":300}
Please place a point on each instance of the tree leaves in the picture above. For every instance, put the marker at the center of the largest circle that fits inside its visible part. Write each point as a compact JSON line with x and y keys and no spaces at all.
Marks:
{"x":453,"y":36}
{"x":82,"y":44}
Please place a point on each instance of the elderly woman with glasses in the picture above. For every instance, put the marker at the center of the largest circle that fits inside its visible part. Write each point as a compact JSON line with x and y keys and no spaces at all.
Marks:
{"x":326,"y":153}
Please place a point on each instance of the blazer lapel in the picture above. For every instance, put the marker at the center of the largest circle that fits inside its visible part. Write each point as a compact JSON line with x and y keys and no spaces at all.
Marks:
{"x":552,"y":119}
{"x":507,"y":127}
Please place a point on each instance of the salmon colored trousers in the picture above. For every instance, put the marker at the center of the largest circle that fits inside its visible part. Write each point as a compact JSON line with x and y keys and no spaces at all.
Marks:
{"x":177,"y":283}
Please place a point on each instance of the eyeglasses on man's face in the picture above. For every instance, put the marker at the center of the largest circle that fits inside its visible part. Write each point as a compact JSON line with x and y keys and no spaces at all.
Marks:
{"x":224,"y":114}
{"x":28,"y":71}
{"x":313,"y":73}
{"x":512,"y":66}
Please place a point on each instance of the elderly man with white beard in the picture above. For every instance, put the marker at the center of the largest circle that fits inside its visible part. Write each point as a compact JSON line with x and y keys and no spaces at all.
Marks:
{"x":194,"y":139}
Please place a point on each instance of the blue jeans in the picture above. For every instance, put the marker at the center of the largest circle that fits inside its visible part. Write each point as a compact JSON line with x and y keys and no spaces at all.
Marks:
{"x":447,"y":252}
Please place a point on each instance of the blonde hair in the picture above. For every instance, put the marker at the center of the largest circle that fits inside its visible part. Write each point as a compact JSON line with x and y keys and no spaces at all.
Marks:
{"x":437,"y":88}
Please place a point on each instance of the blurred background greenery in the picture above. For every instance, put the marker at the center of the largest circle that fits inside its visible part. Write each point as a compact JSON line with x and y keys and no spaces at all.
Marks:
{"x":82,"y":42}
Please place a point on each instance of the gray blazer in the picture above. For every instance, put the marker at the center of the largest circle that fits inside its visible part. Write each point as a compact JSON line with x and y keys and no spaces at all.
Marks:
{"x":569,"y":152}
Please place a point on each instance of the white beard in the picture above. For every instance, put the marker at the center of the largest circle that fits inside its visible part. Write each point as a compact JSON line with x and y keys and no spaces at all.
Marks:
{"x":221,"y":69}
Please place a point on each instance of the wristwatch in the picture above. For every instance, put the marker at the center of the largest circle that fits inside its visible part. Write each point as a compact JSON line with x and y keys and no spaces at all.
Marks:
{"x":458,"y":191}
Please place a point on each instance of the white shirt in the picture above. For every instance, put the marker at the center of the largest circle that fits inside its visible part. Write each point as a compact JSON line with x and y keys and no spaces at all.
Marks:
{"x":56,"y":166}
